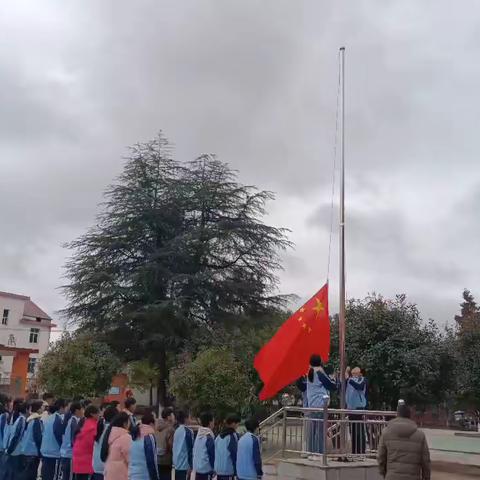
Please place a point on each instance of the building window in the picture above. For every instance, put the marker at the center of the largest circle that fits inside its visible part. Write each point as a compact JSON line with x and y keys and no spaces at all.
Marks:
{"x":6,"y":312}
{"x":34,"y":333}
{"x":32,"y":363}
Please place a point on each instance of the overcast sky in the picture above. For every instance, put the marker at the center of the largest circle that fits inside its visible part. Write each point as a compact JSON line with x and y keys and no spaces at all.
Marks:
{"x":255,"y":83}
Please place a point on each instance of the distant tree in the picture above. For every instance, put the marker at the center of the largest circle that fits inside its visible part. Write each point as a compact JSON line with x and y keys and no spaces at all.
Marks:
{"x":143,"y":376}
{"x":78,"y":364}
{"x":178,"y":248}
{"x":469,"y":318}
{"x":468,"y":352}
{"x":213,"y":380}
{"x":403,"y":357}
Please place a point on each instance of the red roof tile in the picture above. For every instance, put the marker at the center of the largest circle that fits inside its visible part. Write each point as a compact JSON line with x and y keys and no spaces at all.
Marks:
{"x":33,"y":310}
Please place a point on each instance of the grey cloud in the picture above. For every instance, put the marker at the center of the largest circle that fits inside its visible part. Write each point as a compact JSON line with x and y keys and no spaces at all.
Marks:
{"x":255,"y":83}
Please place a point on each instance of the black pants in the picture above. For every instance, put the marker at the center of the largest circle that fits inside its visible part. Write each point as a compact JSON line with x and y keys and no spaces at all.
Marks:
{"x":165,"y":472}
{"x":66,"y":468}
{"x":30,"y":468}
{"x":50,"y":468}
{"x":181,"y":474}
{"x":14,"y":467}
{"x":358,"y":434}
{"x":97,"y":476}
{"x":225,"y":477}
{"x":81,"y":476}
{"x":203,"y":476}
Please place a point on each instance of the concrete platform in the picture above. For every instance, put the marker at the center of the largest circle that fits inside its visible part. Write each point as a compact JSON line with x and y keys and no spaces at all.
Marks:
{"x":300,"y":469}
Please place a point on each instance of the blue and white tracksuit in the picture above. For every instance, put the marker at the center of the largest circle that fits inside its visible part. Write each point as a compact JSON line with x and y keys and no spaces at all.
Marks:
{"x":182,"y":451}
{"x":226,"y":445}
{"x":51,"y":443}
{"x":249,"y":460}
{"x":143,"y":459}
{"x":204,"y":454}
{"x":318,"y":395}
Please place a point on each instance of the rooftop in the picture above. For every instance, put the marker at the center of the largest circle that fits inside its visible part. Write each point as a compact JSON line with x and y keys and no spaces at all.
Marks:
{"x":30,"y":309}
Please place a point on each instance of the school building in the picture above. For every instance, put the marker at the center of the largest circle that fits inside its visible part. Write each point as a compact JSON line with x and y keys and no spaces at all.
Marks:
{"x":24,"y":337}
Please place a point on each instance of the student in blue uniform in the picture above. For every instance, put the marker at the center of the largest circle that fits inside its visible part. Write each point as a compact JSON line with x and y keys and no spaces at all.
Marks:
{"x":226,"y":445}
{"x":204,"y":449}
{"x":249,"y":460}
{"x":52,"y":441}
{"x":143,"y":451}
{"x":98,"y":466}
{"x":182,"y":448}
{"x":319,"y":386}
{"x":4,"y":418}
{"x":14,"y":464}
{"x":76,"y":414}
{"x":32,"y":441}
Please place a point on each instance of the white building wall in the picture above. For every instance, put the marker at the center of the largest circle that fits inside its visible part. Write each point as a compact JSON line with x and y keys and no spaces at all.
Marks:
{"x":20,"y":331}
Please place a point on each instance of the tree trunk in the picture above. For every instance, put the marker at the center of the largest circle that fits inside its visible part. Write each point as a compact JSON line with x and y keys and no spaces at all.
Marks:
{"x":151,"y":393}
{"x":162,"y":378}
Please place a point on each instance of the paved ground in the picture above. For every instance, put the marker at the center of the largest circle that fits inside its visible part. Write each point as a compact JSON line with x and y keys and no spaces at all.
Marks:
{"x":449,"y":476}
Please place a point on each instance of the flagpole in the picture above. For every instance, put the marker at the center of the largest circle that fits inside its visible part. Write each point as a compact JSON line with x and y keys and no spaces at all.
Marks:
{"x":341,"y":322}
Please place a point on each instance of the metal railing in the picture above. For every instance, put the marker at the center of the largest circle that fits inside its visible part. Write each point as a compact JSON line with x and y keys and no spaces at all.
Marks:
{"x":323,"y":433}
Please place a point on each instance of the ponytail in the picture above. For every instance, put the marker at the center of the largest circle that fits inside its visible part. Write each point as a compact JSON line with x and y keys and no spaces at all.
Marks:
{"x":119,"y":421}
{"x":108,"y":415}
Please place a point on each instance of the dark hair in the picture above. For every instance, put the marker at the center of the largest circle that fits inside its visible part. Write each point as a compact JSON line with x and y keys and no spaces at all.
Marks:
{"x":232,"y":418}
{"x":205,"y":419}
{"x":130,"y":402}
{"x":75,"y":406}
{"x":404,"y":411}
{"x":60,"y":403}
{"x":181,"y":417}
{"x":119,"y":421}
{"x":114,"y":403}
{"x":19,"y":407}
{"x":147,"y":419}
{"x":166,"y":412}
{"x":108,"y":415}
{"x":86,"y":403}
{"x":47,"y":395}
{"x":315,"y":361}
{"x":251,"y":424}
{"x":90,"y":411}
{"x":36,"y":405}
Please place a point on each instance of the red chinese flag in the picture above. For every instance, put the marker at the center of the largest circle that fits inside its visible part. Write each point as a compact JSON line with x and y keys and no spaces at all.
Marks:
{"x":287,"y":355}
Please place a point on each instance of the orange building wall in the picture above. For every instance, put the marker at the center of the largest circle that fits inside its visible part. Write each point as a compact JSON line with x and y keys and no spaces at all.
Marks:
{"x":121,"y":382}
{"x":19,"y":372}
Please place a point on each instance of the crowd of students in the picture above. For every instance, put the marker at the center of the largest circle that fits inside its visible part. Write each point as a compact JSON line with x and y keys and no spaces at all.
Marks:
{"x":76,"y":440}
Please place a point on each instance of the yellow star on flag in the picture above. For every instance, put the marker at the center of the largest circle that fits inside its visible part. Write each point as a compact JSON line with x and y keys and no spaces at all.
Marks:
{"x":319,"y":308}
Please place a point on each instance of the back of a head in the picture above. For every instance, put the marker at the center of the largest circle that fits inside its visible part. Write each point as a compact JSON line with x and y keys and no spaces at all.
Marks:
{"x":148,"y":419}
{"x":403,"y":411}
{"x":91,"y":410}
{"x":48,"y":396}
{"x":181,"y":417}
{"x":75,"y":407}
{"x":109,"y":414}
{"x":206,"y":418}
{"x":251,"y":425}
{"x":36,"y":405}
{"x":60,"y":403}
{"x":315,"y":361}
{"x":120,"y":420}
{"x":129,"y":402}
{"x":232,"y":419}
{"x":166,"y":412}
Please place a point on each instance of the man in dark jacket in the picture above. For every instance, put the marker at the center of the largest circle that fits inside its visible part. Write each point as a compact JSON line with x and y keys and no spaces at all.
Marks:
{"x":403,"y":451}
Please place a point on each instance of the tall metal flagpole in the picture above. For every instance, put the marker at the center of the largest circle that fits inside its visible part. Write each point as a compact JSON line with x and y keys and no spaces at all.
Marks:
{"x":341,"y":322}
